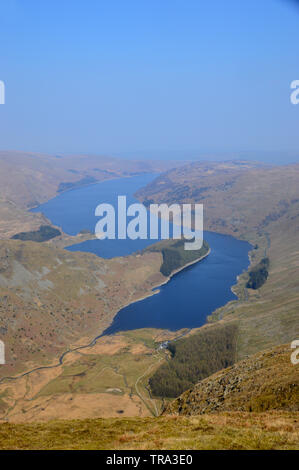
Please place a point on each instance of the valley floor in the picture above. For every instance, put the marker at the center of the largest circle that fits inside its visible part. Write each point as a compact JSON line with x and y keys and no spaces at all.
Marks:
{"x":244,"y":431}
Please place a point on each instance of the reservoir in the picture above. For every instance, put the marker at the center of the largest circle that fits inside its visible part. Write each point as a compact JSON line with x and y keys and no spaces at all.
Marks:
{"x":189,"y":296}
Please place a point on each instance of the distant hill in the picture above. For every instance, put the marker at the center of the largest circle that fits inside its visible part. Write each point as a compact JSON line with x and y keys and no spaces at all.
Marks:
{"x":238,"y":197}
{"x":28,"y":179}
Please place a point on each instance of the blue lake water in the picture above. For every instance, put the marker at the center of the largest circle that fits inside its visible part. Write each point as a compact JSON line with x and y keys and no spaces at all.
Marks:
{"x":75,"y":210}
{"x":189,"y":297}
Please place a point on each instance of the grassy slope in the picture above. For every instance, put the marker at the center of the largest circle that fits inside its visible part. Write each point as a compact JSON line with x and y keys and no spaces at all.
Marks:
{"x":262,"y":382}
{"x":272,"y":430}
{"x":52,"y":298}
{"x":270,"y":315}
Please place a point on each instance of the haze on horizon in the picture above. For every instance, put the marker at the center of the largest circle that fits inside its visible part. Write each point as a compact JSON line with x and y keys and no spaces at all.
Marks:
{"x":151,"y":79}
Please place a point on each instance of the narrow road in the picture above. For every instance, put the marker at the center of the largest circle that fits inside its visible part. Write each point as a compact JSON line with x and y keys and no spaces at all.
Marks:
{"x":59,"y":363}
{"x":144,"y":399}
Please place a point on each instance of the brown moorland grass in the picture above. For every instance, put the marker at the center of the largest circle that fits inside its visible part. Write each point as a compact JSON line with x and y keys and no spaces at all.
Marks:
{"x":244,"y":431}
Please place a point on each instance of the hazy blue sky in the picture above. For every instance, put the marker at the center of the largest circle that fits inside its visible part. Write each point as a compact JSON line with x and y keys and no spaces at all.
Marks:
{"x":150,"y":77}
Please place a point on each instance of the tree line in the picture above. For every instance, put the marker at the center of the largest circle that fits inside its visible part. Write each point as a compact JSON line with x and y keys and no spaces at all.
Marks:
{"x":194,"y":358}
{"x":259,"y":274}
{"x":44,"y":233}
{"x":175,"y":256}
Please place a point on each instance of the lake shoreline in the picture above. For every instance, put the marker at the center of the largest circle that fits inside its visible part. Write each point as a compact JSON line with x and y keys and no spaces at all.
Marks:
{"x":160,"y":284}
{"x":226,"y":259}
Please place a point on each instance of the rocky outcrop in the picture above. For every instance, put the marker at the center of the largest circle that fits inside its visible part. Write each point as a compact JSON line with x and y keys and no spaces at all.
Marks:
{"x":265,"y":381}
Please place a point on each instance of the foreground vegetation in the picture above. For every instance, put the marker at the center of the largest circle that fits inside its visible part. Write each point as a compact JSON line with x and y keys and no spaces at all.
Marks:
{"x":272,"y":430}
{"x":194,"y":358}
